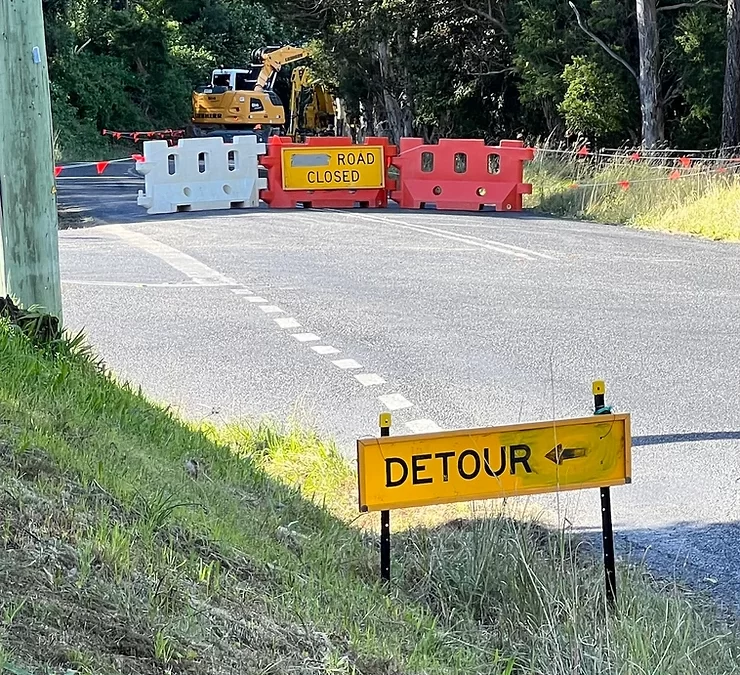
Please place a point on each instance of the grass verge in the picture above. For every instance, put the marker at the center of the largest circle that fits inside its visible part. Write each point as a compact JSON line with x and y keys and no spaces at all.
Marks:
{"x":701,"y":202}
{"x":135,"y":543}
{"x":75,"y":142}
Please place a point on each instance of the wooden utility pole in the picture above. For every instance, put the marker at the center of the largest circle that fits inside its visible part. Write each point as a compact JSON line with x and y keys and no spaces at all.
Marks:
{"x":29,"y":252}
{"x":731,"y":97}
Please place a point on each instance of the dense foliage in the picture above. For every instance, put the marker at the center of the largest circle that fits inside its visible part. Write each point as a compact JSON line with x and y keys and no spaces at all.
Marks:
{"x":131,"y":64}
{"x":489,"y":68}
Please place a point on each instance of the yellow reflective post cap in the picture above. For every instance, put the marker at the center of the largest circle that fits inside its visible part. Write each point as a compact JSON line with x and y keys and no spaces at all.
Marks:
{"x":599,"y":387}
{"x":385,"y":420}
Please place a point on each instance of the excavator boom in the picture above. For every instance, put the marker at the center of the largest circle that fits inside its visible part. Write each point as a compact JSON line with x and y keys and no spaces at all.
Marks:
{"x":273,"y":61}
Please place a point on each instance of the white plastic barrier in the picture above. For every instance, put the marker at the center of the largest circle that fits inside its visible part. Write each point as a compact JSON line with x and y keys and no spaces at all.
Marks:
{"x":201,"y":173}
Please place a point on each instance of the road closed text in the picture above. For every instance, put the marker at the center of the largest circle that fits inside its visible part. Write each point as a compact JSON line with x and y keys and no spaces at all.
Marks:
{"x":497,"y":462}
{"x":333,"y":168}
{"x":337,"y":177}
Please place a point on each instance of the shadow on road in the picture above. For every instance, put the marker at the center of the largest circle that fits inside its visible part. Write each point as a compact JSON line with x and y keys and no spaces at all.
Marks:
{"x":695,"y":555}
{"x":660,"y":439}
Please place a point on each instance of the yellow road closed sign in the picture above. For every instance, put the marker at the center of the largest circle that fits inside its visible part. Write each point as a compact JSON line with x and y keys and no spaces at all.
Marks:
{"x":334,"y":168}
{"x":451,"y":466}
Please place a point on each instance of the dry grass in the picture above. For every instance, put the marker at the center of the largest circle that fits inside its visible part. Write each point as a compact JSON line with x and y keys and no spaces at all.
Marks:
{"x":702,"y":202}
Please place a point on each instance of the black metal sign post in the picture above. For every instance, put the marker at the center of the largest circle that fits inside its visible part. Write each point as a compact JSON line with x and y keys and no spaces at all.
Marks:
{"x":385,"y":516}
{"x":607,"y":530}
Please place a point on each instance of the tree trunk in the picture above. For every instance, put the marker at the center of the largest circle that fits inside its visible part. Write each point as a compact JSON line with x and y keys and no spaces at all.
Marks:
{"x":650,"y":103}
{"x":397,"y":112}
{"x":367,"y":120}
{"x":731,"y":96}
{"x":552,"y":121}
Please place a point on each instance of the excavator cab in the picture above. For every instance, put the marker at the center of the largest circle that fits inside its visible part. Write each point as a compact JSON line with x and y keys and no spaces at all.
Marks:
{"x":244,"y":98}
{"x":236,"y":79}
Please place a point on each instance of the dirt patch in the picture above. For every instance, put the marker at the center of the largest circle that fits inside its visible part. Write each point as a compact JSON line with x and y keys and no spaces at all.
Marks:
{"x":71,"y":218}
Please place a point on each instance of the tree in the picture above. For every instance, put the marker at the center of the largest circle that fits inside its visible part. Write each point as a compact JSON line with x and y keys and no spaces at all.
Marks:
{"x":433,"y":68}
{"x":653,"y":131}
{"x":648,"y":81}
{"x":592,"y":106}
{"x":731,"y":96}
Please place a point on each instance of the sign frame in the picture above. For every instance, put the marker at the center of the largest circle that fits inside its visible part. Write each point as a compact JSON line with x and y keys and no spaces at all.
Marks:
{"x":370,"y":444}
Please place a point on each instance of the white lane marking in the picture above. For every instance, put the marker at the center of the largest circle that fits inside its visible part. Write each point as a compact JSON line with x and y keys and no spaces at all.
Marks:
{"x":325,"y":349}
{"x":395,"y":401}
{"x":287,"y":322}
{"x":369,"y":379}
{"x":201,"y":274}
{"x":241,"y":291}
{"x":256,"y":298}
{"x":346,"y":364}
{"x":306,"y":337}
{"x":498,"y":246}
{"x":140,"y":284}
{"x":423,"y":426}
{"x":271,"y":309}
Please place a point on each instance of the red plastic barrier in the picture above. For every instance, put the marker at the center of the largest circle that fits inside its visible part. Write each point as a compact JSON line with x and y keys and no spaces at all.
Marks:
{"x":463,"y":175}
{"x":278,"y":198}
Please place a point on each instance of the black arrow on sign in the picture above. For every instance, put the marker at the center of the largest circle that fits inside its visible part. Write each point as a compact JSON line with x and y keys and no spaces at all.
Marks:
{"x":559,"y":454}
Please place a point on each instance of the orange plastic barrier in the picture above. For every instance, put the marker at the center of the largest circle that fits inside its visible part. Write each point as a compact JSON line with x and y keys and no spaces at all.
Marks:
{"x":463,"y":175}
{"x":276,"y":196}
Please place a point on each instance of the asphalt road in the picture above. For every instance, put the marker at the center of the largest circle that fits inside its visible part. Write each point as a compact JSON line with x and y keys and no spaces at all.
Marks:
{"x":452,"y":321}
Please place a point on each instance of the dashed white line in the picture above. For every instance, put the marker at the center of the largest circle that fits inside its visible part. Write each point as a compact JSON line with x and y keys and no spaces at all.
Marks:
{"x":369,"y":379}
{"x":287,"y":322}
{"x":346,"y":364}
{"x":423,"y":426}
{"x":395,"y":401}
{"x":201,"y":274}
{"x":325,"y":349}
{"x":306,"y":337}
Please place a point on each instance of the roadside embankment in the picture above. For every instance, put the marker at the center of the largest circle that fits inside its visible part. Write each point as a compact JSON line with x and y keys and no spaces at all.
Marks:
{"x":135,"y":542}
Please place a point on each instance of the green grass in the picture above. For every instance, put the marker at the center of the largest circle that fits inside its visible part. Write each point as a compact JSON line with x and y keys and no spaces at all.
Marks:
{"x":702,"y":202}
{"x":123,"y":554}
{"x":76,"y":142}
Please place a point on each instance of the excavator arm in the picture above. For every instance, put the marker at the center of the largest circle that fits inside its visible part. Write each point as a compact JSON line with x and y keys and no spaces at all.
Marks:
{"x":312,"y":108}
{"x":273,"y":61}
{"x":300,"y":79}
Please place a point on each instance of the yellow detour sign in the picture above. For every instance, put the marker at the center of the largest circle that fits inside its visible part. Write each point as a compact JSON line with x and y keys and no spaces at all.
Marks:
{"x":343,"y":168}
{"x":525,"y":459}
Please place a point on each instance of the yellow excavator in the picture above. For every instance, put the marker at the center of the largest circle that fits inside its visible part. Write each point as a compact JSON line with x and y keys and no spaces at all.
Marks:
{"x":238,"y":99}
{"x":312,"y":110}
